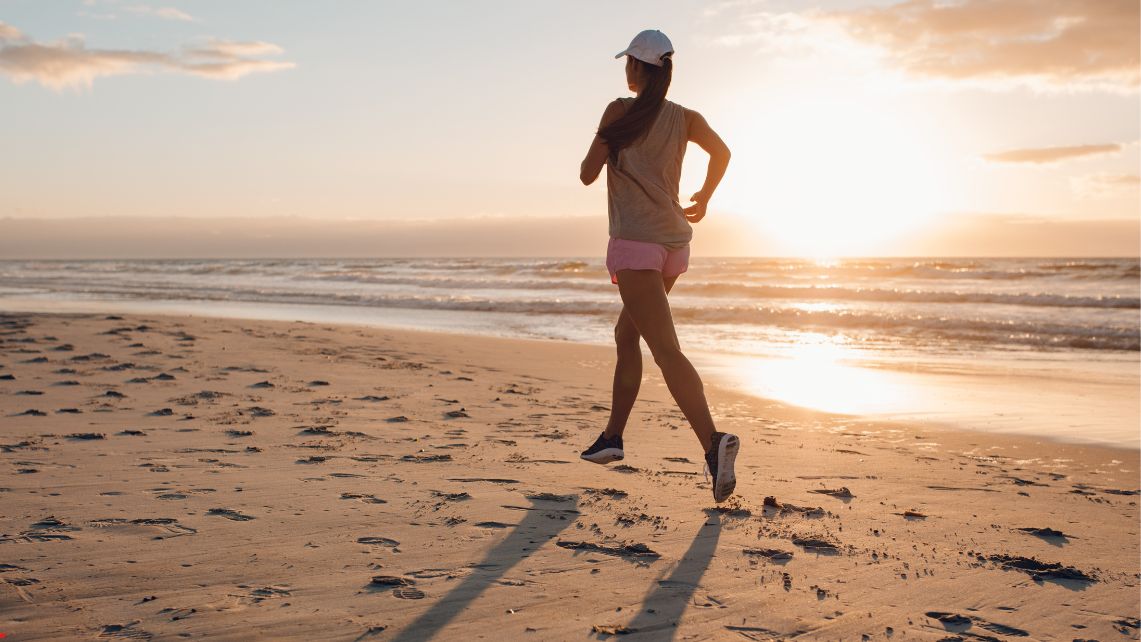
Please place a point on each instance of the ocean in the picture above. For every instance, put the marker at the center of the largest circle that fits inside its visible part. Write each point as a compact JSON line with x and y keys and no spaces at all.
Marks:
{"x":1070,"y":317}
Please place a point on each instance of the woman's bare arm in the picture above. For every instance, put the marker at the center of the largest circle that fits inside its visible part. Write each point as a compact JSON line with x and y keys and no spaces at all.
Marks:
{"x":701,"y":133}
{"x":596,"y":156}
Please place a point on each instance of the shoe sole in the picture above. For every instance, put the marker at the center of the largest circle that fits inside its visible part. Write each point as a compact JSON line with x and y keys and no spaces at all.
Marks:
{"x":725,"y":482}
{"x":605,"y":456}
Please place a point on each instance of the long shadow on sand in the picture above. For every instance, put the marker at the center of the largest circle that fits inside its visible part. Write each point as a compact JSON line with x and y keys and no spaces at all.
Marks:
{"x":673,"y":594}
{"x":541,"y":524}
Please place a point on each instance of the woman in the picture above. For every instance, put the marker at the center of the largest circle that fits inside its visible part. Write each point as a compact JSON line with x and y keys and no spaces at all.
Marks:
{"x":642,"y":142}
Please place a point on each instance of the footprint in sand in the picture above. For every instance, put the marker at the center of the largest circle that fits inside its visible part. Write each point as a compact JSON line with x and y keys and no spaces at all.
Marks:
{"x":261,"y":594}
{"x":125,"y":631}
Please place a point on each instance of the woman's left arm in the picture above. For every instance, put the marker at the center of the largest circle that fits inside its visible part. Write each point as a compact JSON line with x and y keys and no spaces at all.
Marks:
{"x":596,"y":156}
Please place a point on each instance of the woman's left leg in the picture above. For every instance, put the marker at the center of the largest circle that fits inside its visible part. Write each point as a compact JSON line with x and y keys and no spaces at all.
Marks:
{"x":645,"y":300}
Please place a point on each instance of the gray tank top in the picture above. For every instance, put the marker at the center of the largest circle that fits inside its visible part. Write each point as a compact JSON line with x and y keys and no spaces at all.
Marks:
{"x":642,"y":187}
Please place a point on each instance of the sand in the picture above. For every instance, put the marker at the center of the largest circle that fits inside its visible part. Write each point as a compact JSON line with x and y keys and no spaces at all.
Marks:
{"x":168,"y":477}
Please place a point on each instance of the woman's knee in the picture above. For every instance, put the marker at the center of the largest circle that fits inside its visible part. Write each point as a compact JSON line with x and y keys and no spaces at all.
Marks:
{"x":667,"y":354}
{"x":626,"y":336}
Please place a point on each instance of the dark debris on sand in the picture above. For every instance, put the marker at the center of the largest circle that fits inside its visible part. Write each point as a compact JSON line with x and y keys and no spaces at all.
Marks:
{"x":452,"y":497}
{"x":774,"y":554}
{"x":770,"y":503}
{"x":1045,"y":532}
{"x":635,"y":550}
{"x":229,"y":514}
{"x":608,"y":492}
{"x":423,"y":459}
{"x":841,"y":493}
{"x":391,"y":580}
{"x":1036,"y":568}
{"x":816,"y":545}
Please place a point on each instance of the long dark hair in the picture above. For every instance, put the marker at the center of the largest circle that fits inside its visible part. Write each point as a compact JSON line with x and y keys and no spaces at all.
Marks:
{"x":630,"y":126}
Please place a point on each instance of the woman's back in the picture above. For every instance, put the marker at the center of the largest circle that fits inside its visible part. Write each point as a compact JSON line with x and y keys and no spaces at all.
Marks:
{"x":642,"y":186}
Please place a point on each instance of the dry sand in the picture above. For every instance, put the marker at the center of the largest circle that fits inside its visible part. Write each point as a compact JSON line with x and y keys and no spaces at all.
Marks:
{"x":180,"y":477}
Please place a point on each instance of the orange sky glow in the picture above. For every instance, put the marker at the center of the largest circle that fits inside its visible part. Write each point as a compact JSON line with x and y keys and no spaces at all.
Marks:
{"x":984,"y":127}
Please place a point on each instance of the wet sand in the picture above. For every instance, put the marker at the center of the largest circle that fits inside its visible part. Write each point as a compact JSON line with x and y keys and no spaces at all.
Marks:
{"x":165,"y":477}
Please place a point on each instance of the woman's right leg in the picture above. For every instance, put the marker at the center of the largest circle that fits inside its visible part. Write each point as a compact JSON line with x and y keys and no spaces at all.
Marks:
{"x":627,"y":374}
{"x":627,"y":369}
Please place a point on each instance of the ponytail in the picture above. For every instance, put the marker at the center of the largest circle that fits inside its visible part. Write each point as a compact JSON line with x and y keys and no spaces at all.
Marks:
{"x":629,"y":127}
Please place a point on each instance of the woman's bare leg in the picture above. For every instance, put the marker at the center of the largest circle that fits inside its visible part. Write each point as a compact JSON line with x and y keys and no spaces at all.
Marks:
{"x":645,"y":303}
{"x":628,"y":369}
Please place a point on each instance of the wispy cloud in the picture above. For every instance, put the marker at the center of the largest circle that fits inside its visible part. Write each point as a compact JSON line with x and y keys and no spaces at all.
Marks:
{"x":1104,"y":185}
{"x":168,"y":13}
{"x":1071,"y":44}
{"x":1048,"y":155}
{"x":69,"y":63}
{"x":746,"y":23}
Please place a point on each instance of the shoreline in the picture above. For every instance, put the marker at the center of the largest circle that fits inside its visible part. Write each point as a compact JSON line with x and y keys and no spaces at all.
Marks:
{"x":1100,"y":398}
{"x":212,"y":477}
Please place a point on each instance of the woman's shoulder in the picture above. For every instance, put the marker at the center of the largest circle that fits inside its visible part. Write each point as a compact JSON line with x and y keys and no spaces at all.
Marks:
{"x":690,"y":115}
{"x":623,"y":103}
{"x":681,"y":108}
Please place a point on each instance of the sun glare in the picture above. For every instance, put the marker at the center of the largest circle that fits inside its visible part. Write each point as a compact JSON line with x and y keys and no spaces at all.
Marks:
{"x":829,"y":177}
{"x":817,"y":375}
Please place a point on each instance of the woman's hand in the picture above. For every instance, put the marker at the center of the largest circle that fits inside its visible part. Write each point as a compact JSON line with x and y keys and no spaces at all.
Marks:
{"x":694,"y":213}
{"x":701,"y":133}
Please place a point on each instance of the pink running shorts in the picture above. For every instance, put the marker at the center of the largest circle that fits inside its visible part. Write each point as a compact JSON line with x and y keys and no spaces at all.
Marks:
{"x":623,"y":254}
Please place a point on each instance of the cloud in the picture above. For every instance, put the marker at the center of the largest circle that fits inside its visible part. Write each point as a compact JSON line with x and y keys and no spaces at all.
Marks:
{"x":1045,"y":155}
{"x":69,"y":63}
{"x":169,"y":13}
{"x":229,"y":49}
{"x":785,"y":34}
{"x":1070,"y":44}
{"x":8,"y":32}
{"x":1104,"y":185}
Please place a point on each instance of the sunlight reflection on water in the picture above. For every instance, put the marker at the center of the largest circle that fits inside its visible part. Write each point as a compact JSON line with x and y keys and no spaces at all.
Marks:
{"x":819,"y":376}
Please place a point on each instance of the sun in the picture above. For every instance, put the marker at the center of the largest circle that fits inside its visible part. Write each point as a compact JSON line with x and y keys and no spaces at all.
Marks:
{"x":829,"y":177}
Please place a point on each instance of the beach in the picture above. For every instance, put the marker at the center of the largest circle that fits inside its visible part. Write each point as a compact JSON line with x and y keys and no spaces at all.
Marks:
{"x":169,"y":476}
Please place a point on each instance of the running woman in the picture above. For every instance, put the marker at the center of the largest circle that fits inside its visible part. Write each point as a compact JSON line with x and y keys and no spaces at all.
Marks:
{"x":642,"y":141}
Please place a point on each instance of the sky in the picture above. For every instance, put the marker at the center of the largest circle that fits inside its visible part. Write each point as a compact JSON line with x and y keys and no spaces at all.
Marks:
{"x":857,"y":127}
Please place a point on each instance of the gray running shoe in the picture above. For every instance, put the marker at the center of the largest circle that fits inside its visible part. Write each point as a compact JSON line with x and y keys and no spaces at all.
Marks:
{"x":719,"y":461}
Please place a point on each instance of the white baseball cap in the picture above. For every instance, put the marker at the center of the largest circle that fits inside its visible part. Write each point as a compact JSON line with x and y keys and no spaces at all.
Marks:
{"x":650,"y":46}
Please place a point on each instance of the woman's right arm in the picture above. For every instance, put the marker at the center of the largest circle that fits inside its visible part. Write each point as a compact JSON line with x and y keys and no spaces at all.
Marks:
{"x":596,"y":156}
{"x":701,"y":133}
